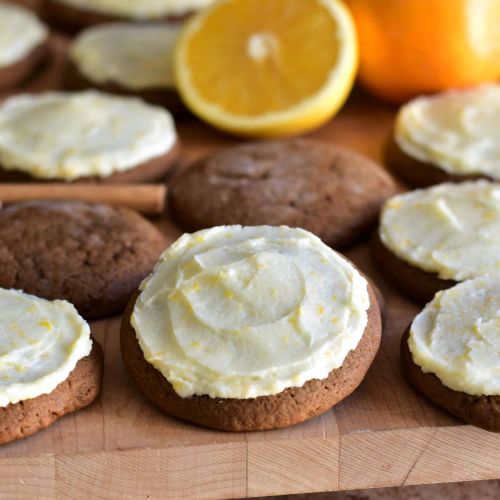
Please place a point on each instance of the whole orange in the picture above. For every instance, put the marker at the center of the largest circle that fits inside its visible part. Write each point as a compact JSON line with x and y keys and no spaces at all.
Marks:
{"x":411,"y":47}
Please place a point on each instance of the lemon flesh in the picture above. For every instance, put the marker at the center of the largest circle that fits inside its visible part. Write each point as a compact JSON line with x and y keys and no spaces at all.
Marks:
{"x":267,"y":67}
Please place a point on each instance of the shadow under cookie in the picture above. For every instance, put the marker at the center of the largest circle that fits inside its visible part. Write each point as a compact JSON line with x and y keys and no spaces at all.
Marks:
{"x":15,"y":74}
{"x":481,"y":411}
{"x":165,"y":97}
{"x":414,"y":282}
{"x":289,"y":407}
{"x":70,"y":19}
{"x":78,"y":391}
{"x":417,"y":173}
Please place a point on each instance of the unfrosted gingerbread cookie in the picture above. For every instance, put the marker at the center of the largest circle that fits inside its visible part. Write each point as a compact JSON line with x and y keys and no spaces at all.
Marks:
{"x":333,"y":192}
{"x":92,"y":255}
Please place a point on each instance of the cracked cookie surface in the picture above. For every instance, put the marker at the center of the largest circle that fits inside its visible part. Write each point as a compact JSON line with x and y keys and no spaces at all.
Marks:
{"x":333,"y":192}
{"x":92,"y":255}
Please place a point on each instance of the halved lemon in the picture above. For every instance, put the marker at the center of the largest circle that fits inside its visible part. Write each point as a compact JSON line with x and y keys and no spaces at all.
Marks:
{"x":267,"y":67}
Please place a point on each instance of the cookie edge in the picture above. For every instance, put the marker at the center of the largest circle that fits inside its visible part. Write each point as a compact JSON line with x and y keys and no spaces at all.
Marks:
{"x":420,"y":174}
{"x":155,"y":170}
{"x":15,"y":74}
{"x":96,"y":357}
{"x":414,"y":282}
{"x":75,"y":80}
{"x":357,"y":231}
{"x":464,"y":406}
{"x":71,"y":20}
{"x":198,"y":409}
{"x":108,"y":304}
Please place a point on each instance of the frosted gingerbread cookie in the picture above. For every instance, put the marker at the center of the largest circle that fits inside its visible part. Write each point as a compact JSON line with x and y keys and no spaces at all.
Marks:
{"x":430,"y":239}
{"x":85,"y":137}
{"x":448,"y":137}
{"x":451,"y":351}
{"x":126,"y":58}
{"x":49,"y":366}
{"x":250,"y":328}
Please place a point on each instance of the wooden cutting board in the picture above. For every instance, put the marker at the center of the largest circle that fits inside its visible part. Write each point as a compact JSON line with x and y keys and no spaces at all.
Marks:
{"x":385,"y":434}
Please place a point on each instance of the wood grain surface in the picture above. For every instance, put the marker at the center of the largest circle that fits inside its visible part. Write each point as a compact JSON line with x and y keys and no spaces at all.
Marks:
{"x":385,"y":434}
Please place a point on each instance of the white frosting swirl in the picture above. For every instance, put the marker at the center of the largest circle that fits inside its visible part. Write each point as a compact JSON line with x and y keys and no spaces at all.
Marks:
{"x":457,"y":337}
{"x":140,"y":9}
{"x":457,"y":131}
{"x":20,"y":32}
{"x":60,"y":135}
{"x":41,"y":342}
{"x":135,"y":56}
{"x":451,"y":229}
{"x":241,"y":312}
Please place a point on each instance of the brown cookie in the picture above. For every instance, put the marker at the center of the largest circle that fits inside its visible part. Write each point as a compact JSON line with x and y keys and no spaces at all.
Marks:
{"x":416,"y":283}
{"x":330,"y":191}
{"x":481,"y":411}
{"x":79,"y":390}
{"x":289,"y":407}
{"x":69,"y":19}
{"x":164,"y":97}
{"x":153,"y":170}
{"x":417,"y":173}
{"x":92,"y":255}
{"x":14,"y":74}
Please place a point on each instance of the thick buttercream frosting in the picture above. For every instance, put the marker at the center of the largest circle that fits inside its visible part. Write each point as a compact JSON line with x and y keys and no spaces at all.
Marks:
{"x":241,"y":312}
{"x":41,"y":342}
{"x":135,"y":56}
{"x":139,"y":9}
{"x":59,"y":135}
{"x":20,"y":32}
{"x":451,"y":229}
{"x":457,"y":131}
{"x":457,"y":337}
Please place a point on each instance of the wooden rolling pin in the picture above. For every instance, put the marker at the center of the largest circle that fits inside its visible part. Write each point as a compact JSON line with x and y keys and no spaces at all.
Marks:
{"x":148,"y":199}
